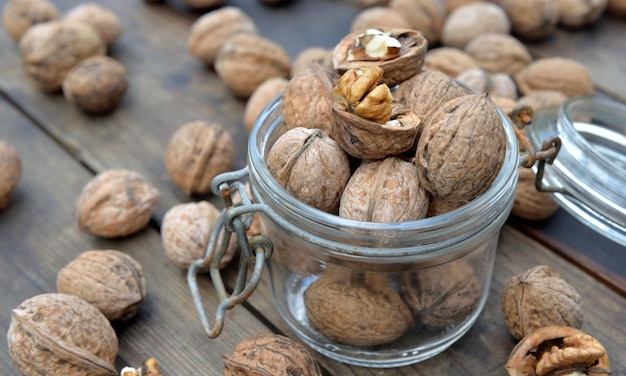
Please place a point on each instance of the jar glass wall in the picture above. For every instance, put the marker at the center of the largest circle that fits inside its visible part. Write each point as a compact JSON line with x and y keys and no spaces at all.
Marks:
{"x":378,"y":294}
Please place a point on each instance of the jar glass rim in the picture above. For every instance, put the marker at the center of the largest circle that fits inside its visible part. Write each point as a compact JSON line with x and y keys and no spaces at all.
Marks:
{"x":438,"y":229}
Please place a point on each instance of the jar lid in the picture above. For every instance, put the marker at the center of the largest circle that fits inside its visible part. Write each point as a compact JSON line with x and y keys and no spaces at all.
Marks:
{"x":590,"y":168}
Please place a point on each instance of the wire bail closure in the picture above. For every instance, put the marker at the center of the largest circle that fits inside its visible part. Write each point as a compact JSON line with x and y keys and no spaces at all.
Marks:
{"x":521,"y":116}
{"x":235,"y":218}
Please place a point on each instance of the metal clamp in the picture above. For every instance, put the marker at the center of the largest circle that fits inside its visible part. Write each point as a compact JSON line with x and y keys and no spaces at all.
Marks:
{"x":235,"y":218}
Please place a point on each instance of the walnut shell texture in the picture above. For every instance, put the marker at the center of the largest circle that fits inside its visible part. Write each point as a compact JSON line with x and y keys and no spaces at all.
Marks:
{"x":532,"y":19}
{"x":369,"y":314}
{"x":260,"y":98}
{"x":529,"y":203}
{"x":311,"y":166}
{"x":61,"y":334}
{"x":196,"y":153}
{"x":111,"y":280}
{"x":116,"y":203}
{"x":426,"y":16}
{"x":270,"y":355}
{"x":10,"y":171}
{"x":103,"y":19}
{"x":496,"y":84}
{"x":246,"y":60}
{"x":96,"y":84}
{"x":210,"y":31}
{"x":449,"y":60}
{"x":555,"y":73}
{"x":537,"y":298}
{"x":186,"y":230}
{"x":471,"y":20}
{"x":50,"y":49}
{"x":499,"y":53}
{"x":578,"y":14}
{"x":379,"y":16}
{"x":461,"y":149}
{"x":19,"y":15}
{"x":310,"y":55}
{"x":385,"y":190}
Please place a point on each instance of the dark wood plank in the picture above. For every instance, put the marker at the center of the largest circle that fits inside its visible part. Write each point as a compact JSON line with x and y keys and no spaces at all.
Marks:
{"x":39,"y":235}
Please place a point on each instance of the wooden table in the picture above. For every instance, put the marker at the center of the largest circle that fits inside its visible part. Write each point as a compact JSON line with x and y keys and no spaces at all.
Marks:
{"x":62,"y":148}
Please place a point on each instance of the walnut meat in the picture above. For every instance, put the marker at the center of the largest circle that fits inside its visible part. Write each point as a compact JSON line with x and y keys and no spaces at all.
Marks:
{"x":540,"y":297}
{"x":386,"y":190}
{"x":103,"y":19}
{"x":19,"y":15}
{"x":96,"y":84}
{"x":311,"y":166}
{"x":111,"y":280}
{"x":356,"y":311}
{"x":61,"y":334}
{"x":441,"y":301}
{"x":210,"y":31}
{"x":116,"y":203}
{"x":558,"y":350}
{"x":270,"y":354}
{"x":461,"y":149}
{"x":471,"y":20}
{"x":246,"y":60}
{"x":532,"y":19}
{"x":186,"y":230}
{"x":399,"y":52}
{"x":10,"y":172}
{"x":555,"y":73}
{"x":196,"y":153}
{"x":50,"y":49}
{"x":499,"y":53}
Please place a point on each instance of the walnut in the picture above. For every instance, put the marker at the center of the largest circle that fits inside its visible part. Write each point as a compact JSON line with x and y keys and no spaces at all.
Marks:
{"x":499,"y":53}
{"x":270,"y":354}
{"x":538,"y":99}
{"x":246,"y":60}
{"x":148,"y":368}
{"x":358,"y":310}
{"x":426,"y":16}
{"x":384,"y":190}
{"x":438,"y":207}
{"x":507,"y":105}
{"x":529,"y":203}
{"x":532,"y":19}
{"x":261,"y":96}
{"x":202,"y":4}
{"x":196,"y":153}
{"x":379,"y":16}
{"x":558,"y":350}
{"x":50,"y":49}
{"x":427,"y":91}
{"x":318,"y":55}
{"x":111,"y":280}
{"x":103,"y":19}
{"x":362,"y":4}
{"x":116,"y":203}
{"x":10,"y":172}
{"x":578,"y":14}
{"x":61,"y":334}
{"x":496,"y":84}
{"x":186,"y":230}
{"x":211,"y":30}
{"x":449,"y":60}
{"x":617,"y":8}
{"x":471,"y":20}
{"x":451,"y":5}
{"x":555,"y":73}
{"x":19,"y":15}
{"x":307,"y":100}
{"x":311,"y":166}
{"x":399,"y":52}
{"x":455,"y":160}
{"x":96,"y":84}
{"x":540,"y":297}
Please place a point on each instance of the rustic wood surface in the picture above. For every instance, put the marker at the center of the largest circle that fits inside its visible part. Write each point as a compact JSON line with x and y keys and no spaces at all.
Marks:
{"x":61,"y":149}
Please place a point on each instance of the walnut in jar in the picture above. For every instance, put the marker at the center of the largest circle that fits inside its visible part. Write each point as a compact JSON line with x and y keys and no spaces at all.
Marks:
{"x":196,"y":153}
{"x":111,"y":280}
{"x":384,"y":190}
{"x":61,"y":334}
{"x":311,"y":166}
{"x":10,"y":172}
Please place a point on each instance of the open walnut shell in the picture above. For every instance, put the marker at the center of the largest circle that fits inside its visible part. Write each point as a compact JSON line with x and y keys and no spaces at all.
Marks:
{"x":558,"y":350}
{"x":399,"y":61}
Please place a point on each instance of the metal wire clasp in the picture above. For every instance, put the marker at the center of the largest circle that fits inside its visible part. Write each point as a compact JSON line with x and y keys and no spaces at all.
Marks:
{"x":521,"y":116}
{"x":235,"y":218}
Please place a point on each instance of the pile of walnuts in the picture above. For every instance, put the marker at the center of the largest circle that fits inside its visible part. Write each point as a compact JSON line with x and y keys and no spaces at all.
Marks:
{"x":68,"y":53}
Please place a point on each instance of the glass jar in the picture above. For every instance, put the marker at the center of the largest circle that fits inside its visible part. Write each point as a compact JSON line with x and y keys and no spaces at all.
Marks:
{"x":381,"y":294}
{"x":590,"y":171}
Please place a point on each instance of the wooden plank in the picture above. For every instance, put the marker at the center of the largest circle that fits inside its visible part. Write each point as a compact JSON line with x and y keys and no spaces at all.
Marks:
{"x":486,"y":347}
{"x":39,"y":235}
